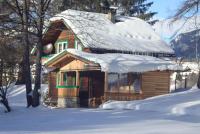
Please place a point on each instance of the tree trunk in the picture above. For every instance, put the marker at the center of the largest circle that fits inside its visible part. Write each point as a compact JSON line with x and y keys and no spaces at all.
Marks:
{"x":36,"y":95}
{"x":5,"y":103}
{"x":1,"y":72}
{"x":26,"y":55}
{"x":198,"y":83}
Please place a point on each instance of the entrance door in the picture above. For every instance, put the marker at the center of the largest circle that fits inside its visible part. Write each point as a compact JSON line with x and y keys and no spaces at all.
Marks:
{"x":85,"y":82}
{"x":91,"y":86}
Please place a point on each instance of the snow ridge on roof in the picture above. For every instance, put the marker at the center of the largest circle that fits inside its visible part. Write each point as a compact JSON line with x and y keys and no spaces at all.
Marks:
{"x":95,"y":30}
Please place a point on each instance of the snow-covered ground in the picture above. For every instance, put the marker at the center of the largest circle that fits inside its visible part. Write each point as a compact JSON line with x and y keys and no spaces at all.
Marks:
{"x":168,"y":114}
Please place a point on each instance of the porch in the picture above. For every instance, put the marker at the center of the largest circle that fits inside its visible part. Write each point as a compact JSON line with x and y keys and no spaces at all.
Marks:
{"x":80,"y":88}
{"x":80,"y":80}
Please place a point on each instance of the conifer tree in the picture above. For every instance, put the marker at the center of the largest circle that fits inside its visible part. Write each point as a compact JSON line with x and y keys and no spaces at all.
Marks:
{"x":133,"y":8}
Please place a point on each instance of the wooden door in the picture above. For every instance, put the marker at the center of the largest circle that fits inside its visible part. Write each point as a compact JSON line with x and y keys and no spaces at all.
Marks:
{"x":85,"y":82}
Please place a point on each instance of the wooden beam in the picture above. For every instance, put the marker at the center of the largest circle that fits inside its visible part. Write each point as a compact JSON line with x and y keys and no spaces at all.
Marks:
{"x":106,"y":82}
{"x":77,"y":78}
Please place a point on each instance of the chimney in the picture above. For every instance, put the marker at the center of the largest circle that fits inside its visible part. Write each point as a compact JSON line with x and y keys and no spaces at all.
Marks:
{"x":112,"y":13}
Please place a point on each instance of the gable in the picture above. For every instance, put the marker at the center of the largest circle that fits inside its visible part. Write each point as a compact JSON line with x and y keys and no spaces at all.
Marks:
{"x":66,"y":61}
{"x":77,"y":64}
{"x":52,"y":33}
{"x":58,"y":33}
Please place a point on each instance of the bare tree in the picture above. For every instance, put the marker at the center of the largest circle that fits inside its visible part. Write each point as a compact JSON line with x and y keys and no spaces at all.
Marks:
{"x":8,"y":61}
{"x":20,"y":19}
{"x":39,"y":9}
{"x":188,"y":9}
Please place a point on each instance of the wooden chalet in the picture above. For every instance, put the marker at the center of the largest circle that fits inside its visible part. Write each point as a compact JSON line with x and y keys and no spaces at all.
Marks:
{"x":90,"y":60}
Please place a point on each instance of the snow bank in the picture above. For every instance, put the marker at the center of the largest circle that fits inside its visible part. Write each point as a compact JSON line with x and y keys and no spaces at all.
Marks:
{"x":43,"y":120}
{"x":187,"y":102}
{"x":95,"y":30}
{"x":17,"y":94}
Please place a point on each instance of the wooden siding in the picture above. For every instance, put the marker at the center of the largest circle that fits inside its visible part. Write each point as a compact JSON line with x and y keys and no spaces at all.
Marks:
{"x":73,"y":65}
{"x":155,"y":83}
{"x":152,"y":84}
{"x":67,"y":92}
{"x":69,"y":36}
{"x":53,"y":92}
{"x":122,"y":96}
{"x":79,"y":65}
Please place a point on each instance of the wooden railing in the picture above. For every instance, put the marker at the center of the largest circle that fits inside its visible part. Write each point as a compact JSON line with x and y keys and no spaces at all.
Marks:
{"x":122,"y":96}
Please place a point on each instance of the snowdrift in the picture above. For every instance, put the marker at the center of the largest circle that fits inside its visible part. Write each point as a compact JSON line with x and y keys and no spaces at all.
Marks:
{"x":187,"y":102}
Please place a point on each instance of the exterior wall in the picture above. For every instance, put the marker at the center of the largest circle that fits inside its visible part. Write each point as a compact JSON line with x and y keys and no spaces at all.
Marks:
{"x":70,"y":102}
{"x":152,"y":84}
{"x":155,"y":83}
{"x":73,"y":65}
{"x":67,"y":35}
{"x":53,"y":91}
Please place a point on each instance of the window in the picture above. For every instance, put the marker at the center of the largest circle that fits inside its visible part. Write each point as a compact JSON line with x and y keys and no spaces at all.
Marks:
{"x":124,"y":83}
{"x":135,"y":83}
{"x":113,"y":82}
{"x":64,"y":46}
{"x":61,"y":46}
{"x":69,"y":79}
{"x":78,"y":45}
{"x":58,"y":79}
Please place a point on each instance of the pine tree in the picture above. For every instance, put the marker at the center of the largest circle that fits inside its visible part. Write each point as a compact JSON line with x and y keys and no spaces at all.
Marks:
{"x":136,"y":8}
{"x":133,"y":8}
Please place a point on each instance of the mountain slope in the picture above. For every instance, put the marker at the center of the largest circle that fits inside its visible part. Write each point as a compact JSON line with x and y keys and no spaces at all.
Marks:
{"x":181,"y":35}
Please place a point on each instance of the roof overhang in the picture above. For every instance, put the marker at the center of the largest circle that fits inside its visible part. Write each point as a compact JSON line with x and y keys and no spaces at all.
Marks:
{"x":115,"y":63}
{"x":66,"y":57}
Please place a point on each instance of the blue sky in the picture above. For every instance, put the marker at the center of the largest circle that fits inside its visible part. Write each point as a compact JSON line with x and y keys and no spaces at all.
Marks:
{"x":165,"y":8}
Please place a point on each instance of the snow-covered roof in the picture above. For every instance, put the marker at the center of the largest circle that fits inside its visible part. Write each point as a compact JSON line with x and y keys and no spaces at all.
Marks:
{"x":95,"y":30}
{"x":122,"y":63}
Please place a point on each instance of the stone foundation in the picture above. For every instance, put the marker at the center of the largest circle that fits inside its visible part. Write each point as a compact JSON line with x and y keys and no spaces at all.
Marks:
{"x":72,"y":102}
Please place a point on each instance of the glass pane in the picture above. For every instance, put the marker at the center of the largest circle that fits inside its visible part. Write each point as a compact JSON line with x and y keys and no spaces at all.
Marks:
{"x":58,"y":79}
{"x":123,"y":83}
{"x":79,"y":47}
{"x":113,"y":82}
{"x":69,"y":79}
{"x":65,"y":78}
{"x":135,"y":83}
{"x":64,"y":46}
{"x":60,"y":47}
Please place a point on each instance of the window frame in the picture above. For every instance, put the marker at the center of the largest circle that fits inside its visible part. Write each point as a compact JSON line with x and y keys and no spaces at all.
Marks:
{"x":61,"y":46}
{"x":77,"y":45}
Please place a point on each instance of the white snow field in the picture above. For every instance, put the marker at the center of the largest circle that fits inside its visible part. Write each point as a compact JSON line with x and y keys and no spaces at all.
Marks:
{"x":176,"y":113}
